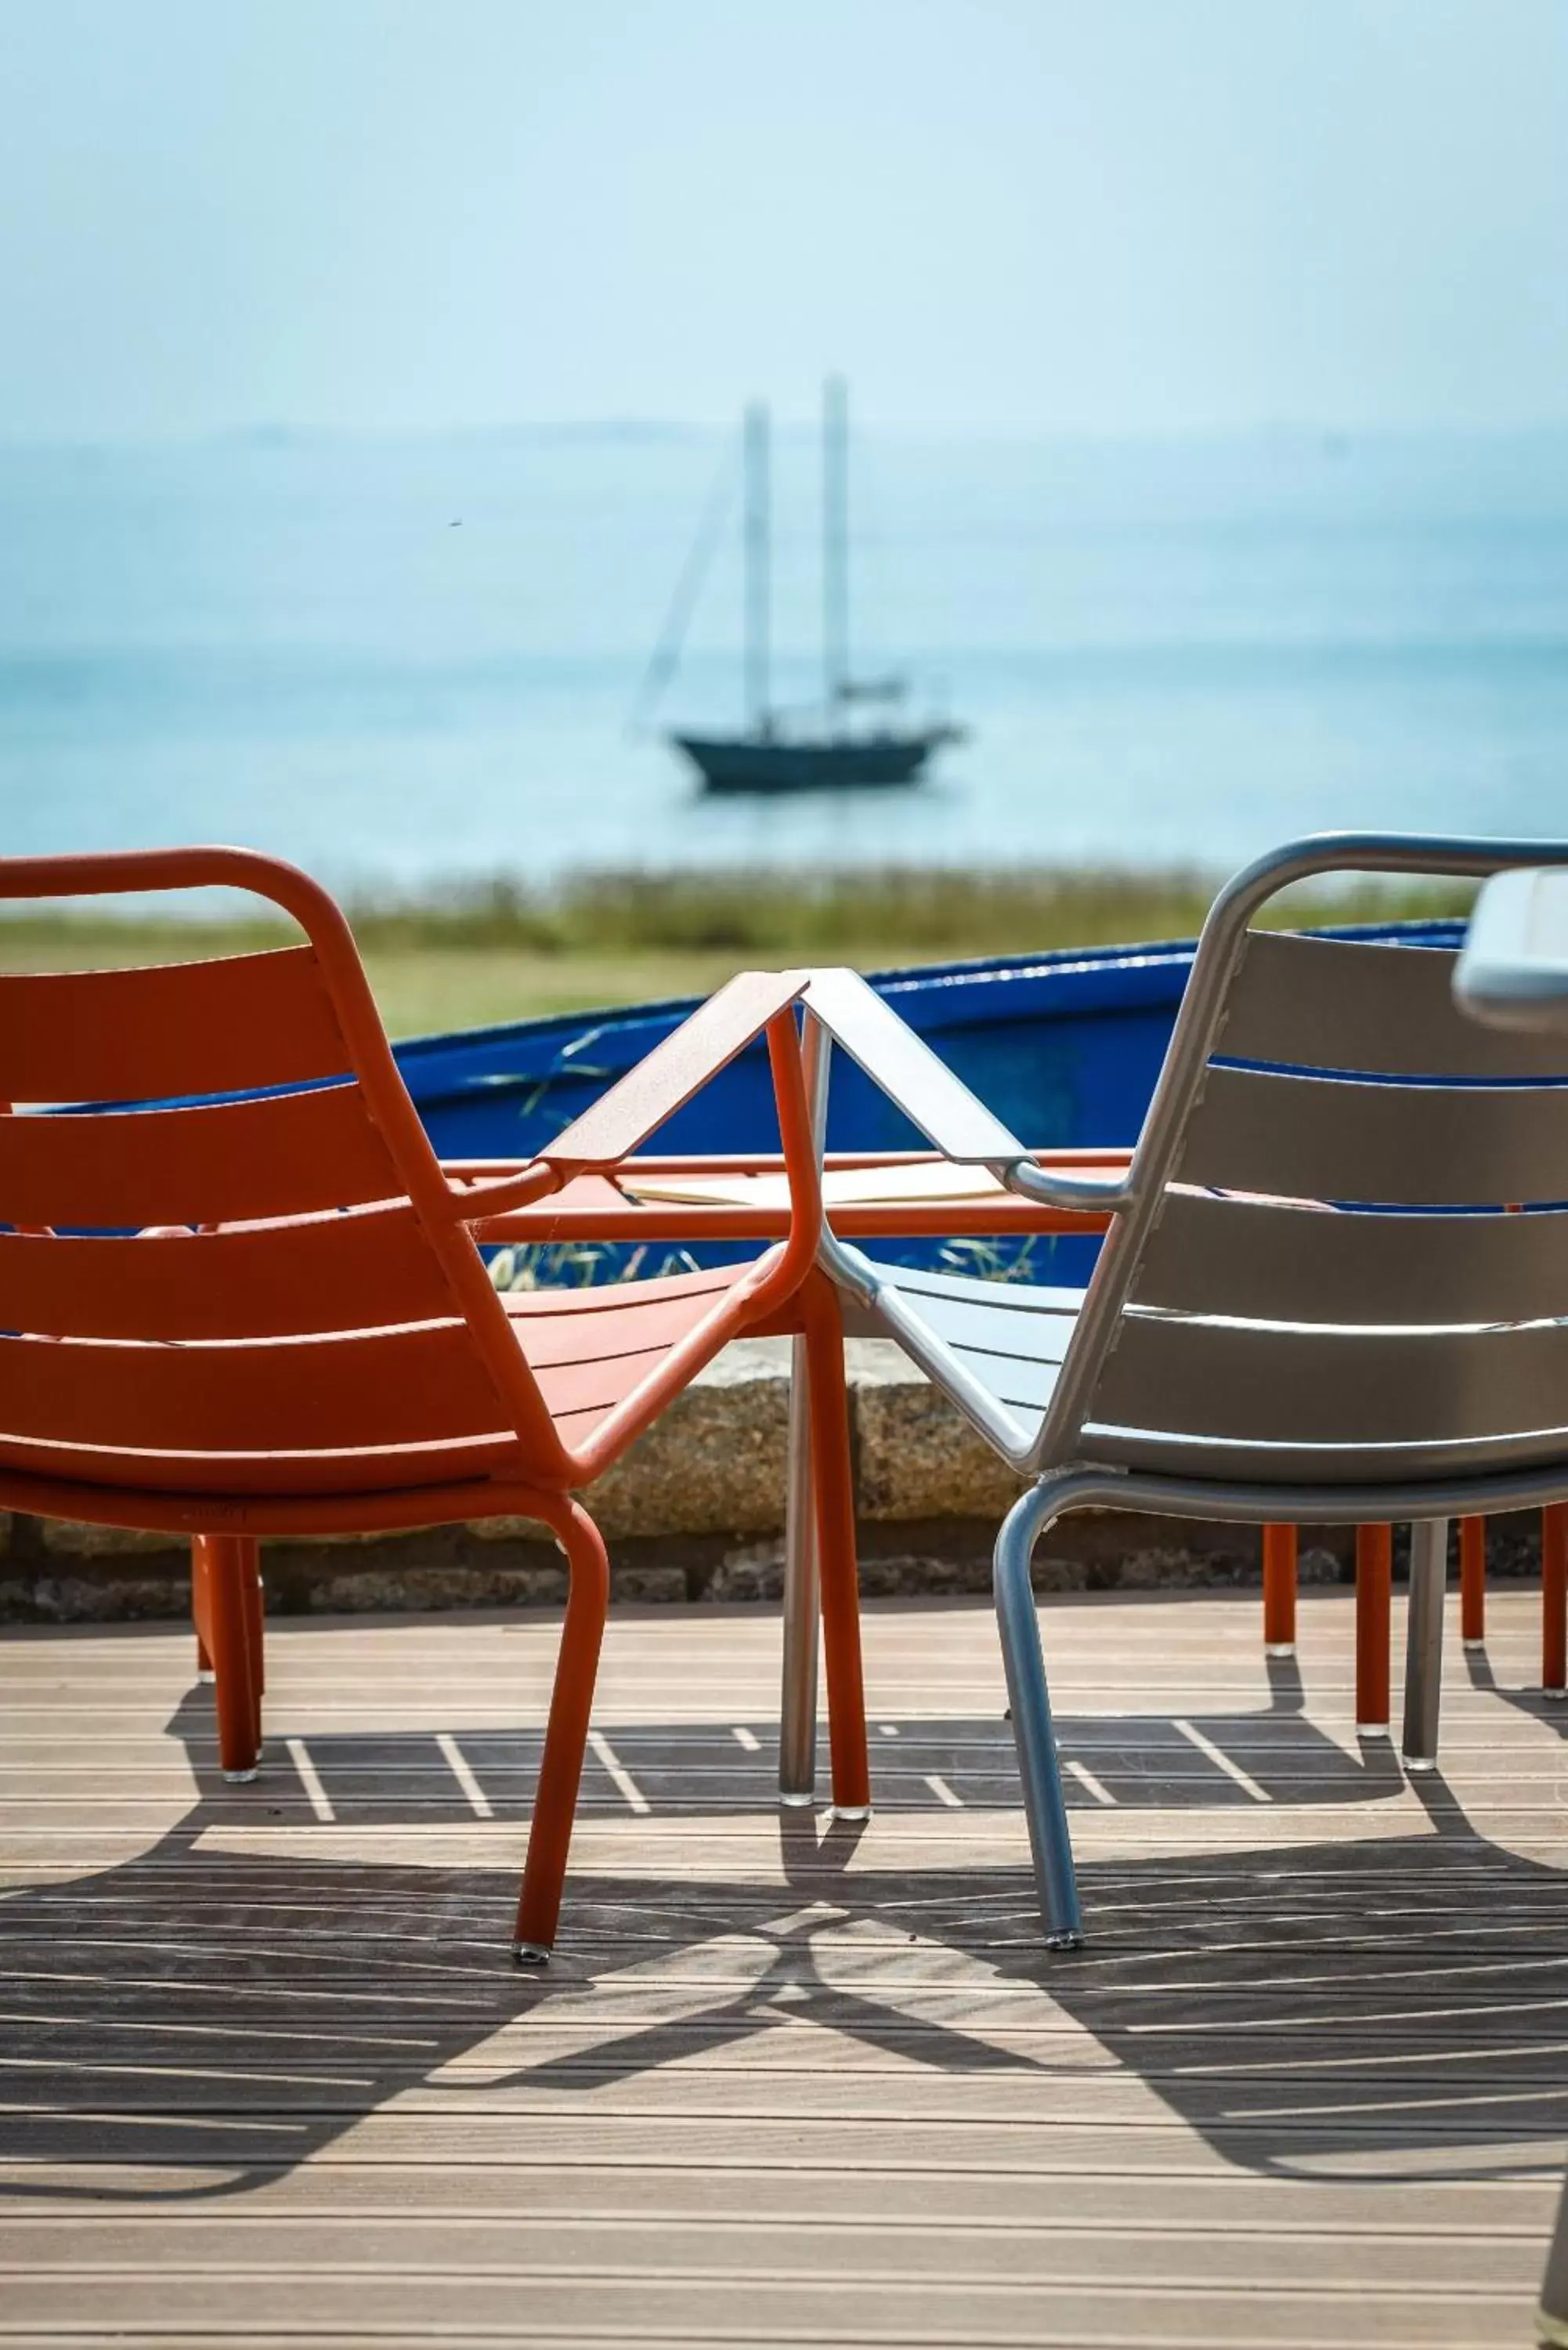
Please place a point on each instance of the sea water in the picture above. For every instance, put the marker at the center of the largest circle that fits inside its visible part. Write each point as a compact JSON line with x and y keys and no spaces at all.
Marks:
{"x":407,"y":663}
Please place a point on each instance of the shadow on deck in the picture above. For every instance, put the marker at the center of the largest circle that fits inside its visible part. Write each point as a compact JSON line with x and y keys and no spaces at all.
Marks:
{"x":1393,"y":2008}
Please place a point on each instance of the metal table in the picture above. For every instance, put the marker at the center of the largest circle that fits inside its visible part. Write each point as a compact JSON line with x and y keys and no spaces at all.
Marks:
{"x":1513,"y":972}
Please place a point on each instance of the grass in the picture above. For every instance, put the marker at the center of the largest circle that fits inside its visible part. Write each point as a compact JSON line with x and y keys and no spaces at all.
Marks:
{"x":502,"y":952}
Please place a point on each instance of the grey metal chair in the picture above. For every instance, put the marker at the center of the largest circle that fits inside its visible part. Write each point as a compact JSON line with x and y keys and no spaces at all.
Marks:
{"x":1313,"y":1304}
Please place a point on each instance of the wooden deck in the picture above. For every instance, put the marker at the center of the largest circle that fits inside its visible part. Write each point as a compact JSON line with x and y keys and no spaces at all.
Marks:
{"x":269,"y":2076}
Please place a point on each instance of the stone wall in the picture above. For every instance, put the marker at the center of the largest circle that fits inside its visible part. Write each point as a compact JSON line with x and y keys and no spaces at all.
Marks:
{"x":695,"y":1510}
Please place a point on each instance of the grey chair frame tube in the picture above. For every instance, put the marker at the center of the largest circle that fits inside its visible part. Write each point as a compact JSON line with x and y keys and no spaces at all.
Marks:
{"x":1424,"y":1641}
{"x":797,"y":1709}
{"x":1029,"y":1698}
{"x":1427,"y":1507}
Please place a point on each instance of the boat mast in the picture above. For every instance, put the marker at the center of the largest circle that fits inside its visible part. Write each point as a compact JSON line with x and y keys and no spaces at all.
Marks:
{"x":758,"y":566}
{"x":835,"y":542}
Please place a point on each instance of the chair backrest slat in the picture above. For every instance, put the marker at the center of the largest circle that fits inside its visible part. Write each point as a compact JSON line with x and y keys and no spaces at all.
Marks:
{"x":1239,"y":1382}
{"x":361,"y":1272}
{"x":363,"y":1392}
{"x":154,"y":1033}
{"x":1388,"y":1011}
{"x":1262,"y":1259}
{"x":1318,"y":1138}
{"x":227,"y":1162}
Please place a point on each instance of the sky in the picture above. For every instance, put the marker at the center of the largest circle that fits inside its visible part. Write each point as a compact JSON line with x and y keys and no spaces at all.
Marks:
{"x":1128,"y":216}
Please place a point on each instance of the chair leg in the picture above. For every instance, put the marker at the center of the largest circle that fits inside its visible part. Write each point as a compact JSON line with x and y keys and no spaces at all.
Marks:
{"x":1472,"y":1582}
{"x":229,"y":1569}
{"x":255,"y":1628}
{"x":201,"y":1604}
{"x":797,"y":1696}
{"x":1050,"y":1842}
{"x":1374,"y":1606}
{"x":1424,"y":1642}
{"x":1555,"y":1600}
{"x":571,"y":1703}
{"x":834,"y":1481}
{"x":1279,"y":1590}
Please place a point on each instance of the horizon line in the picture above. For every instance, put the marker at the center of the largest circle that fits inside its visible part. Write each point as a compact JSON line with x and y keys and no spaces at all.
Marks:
{"x":274,"y":433}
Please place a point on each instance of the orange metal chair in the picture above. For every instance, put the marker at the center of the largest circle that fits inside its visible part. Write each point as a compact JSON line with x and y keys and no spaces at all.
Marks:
{"x":267,"y":1314}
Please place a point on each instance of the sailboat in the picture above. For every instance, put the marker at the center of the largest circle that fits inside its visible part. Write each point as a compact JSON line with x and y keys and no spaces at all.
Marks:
{"x":815,"y":749}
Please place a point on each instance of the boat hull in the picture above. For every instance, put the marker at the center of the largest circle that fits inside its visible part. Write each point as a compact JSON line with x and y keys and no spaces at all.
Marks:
{"x":1064,"y":1047}
{"x":738,"y":762}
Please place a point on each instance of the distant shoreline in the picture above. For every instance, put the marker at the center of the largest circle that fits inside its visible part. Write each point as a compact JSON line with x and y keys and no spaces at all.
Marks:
{"x":1337,"y":435}
{"x":499,"y":950}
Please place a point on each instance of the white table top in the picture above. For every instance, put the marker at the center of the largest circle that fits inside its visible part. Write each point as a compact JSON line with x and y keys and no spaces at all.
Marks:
{"x":1513,"y":972}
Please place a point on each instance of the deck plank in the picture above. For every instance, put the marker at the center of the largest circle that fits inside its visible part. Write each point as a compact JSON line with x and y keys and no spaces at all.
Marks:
{"x":269,"y":2077}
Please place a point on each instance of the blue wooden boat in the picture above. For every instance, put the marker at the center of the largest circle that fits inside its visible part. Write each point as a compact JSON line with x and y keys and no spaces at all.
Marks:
{"x":1065,"y":1047}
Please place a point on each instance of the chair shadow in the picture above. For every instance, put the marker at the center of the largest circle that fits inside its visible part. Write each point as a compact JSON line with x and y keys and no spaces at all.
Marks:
{"x":196,"y":2021}
{"x":1532,"y":1702}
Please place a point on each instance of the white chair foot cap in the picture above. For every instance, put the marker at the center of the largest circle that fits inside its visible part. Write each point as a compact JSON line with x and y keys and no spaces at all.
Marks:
{"x":1420,"y":1762}
{"x":1472,"y":1647}
{"x":849,"y":1811}
{"x":797,"y":1802}
{"x":205,"y":1676}
{"x":1279,"y":1648}
{"x":243,"y":1778}
{"x":1555,"y":1695}
{"x":531,"y":1954}
{"x":1060,"y":1942}
{"x":1372,"y":1729}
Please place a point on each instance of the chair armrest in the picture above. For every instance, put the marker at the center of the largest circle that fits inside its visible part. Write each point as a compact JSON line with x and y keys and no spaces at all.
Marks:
{"x":754,"y":1003}
{"x":1054,"y":1187}
{"x":610,"y":1129}
{"x":912,"y":1076}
